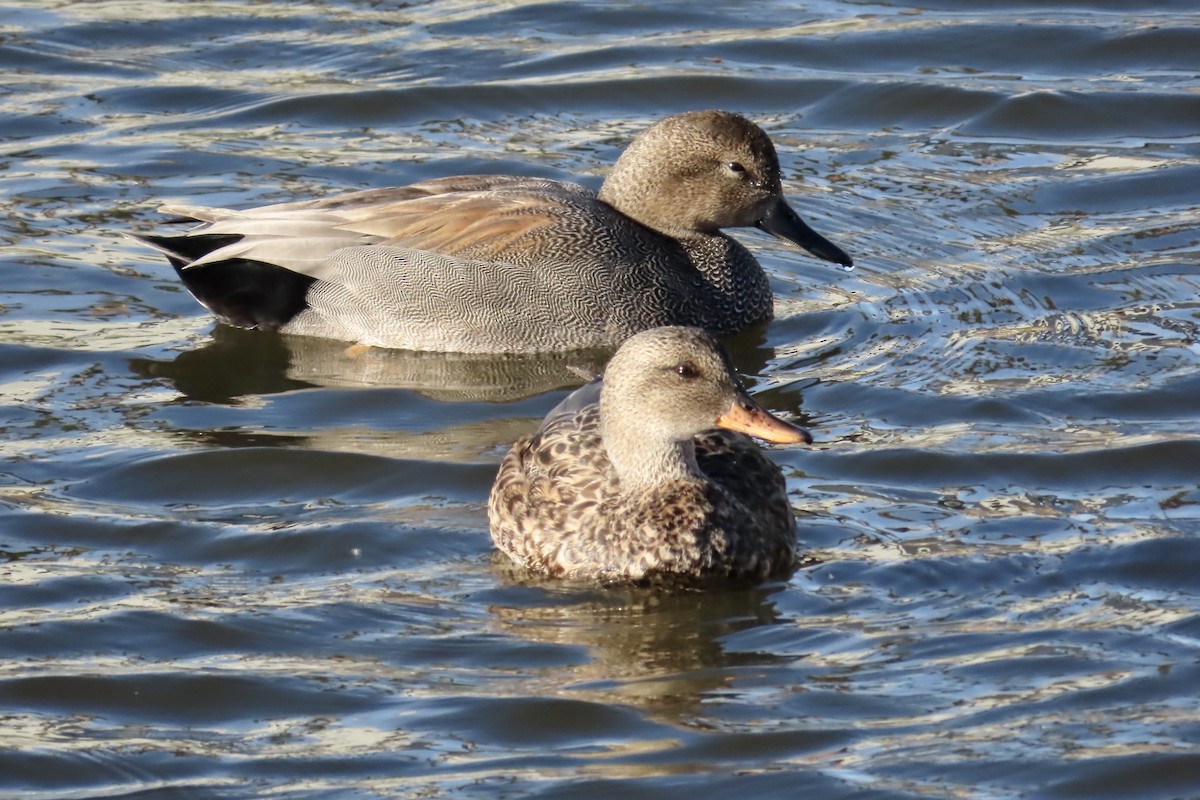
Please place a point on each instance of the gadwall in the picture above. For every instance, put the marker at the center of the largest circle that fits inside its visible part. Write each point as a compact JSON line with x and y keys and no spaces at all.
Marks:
{"x":630,"y":478}
{"x":501,"y":264}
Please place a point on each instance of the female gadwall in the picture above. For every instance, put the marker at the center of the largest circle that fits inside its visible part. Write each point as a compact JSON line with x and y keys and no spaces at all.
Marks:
{"x":640,"y":484}
{"x":496,"y":264}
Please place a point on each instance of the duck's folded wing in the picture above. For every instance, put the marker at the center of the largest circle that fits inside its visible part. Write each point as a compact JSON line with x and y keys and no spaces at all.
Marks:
{"x":485,"y":225}
{"x":442,"y":187}
{"x":582,"y":398}
{"x":306,"y":255}
{"x":482,"y":225}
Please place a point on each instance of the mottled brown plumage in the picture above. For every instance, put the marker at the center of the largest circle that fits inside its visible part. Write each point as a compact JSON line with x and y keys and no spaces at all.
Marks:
{"x":630,"y":478}
{"x":491,"y":264}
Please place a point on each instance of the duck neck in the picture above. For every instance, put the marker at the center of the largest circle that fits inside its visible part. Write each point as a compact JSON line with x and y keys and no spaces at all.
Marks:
{"x":642,"y":464}
{"x":625,"y":190}
{"x":737,"y":283}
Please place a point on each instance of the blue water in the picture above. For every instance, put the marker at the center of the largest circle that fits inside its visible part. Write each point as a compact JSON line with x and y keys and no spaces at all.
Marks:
{"x":241,"y":566}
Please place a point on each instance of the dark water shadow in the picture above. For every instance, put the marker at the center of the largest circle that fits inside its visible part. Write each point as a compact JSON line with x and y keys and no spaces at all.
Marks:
{"x":236,"y":363}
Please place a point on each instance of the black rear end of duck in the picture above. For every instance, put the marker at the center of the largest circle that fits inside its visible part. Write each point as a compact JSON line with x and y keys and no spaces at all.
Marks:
{"x":244,"y":293}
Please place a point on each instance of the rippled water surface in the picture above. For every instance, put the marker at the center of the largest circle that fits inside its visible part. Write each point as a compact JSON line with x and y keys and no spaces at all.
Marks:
{"x":237,"y":566}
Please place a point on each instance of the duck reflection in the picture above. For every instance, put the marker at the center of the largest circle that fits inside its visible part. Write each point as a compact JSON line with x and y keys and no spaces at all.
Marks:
{"x":239,"y":363}
{"x":658,"y":646}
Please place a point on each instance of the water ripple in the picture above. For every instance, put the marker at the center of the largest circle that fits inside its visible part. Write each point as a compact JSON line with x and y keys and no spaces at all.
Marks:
{"x":236,"y":565}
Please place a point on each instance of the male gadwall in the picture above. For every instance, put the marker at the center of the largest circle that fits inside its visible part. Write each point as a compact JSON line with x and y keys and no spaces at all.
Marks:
{"x":639,"y":482}
{"x":501,"y":264}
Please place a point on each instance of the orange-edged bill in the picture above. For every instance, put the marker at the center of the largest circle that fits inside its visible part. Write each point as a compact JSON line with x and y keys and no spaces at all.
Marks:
{"x":747,"y":416}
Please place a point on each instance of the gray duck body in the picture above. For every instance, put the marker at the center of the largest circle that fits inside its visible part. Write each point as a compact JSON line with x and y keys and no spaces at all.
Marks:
{"x":629,"y":478}
{"x":492,"y":264}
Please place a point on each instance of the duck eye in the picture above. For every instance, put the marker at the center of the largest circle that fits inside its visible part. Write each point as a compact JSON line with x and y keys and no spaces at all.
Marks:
{"x":739,"y":171}
{"x":685,"y":371}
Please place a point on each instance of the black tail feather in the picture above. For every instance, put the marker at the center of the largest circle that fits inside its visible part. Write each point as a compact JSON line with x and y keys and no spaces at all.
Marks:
{"x":248,"y":294}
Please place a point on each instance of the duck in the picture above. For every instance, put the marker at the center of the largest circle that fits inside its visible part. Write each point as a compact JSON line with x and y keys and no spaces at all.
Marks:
{"x":649,"y":473}
{"x":506,"y":264}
